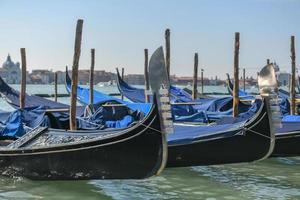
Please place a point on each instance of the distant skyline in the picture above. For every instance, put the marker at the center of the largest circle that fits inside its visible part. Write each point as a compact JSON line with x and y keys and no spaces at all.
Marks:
{"x":119,"y":30}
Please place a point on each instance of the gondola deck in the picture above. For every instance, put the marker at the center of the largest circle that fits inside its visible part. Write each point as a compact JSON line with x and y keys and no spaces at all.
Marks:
{"x":136,"y":152}
{"x":232,"y":145}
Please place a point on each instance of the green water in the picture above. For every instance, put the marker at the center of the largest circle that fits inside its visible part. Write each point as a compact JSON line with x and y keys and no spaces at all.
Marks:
{"x":276,"y":178}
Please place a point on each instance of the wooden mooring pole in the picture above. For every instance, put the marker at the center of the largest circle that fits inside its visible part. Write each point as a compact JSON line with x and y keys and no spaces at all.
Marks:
{"x":168,"y":53}
{"x":244,"y":78}
{"x":77,"y":50}
{"x":55,"y":86}
{"x":236,"y":75}
{"x":23,"y":78}
{"x":147,"y":86}
{"x":195,"y":78}
{"x":122,"y":75}
{"x":293,"y":81}
{"x":202,"y":82}
{"x":91,"y":98}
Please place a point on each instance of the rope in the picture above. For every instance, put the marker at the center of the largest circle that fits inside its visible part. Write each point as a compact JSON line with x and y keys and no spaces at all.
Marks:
{"x":260,"y":134}
{"x":152,"y":128}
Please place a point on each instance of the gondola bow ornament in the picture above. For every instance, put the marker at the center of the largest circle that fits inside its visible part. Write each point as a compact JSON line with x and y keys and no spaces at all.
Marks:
{"x":268,"y":88}
{"x":160,"y":86}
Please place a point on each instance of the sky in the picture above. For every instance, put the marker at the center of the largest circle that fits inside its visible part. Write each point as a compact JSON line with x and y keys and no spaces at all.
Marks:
{"x":120,"y":30}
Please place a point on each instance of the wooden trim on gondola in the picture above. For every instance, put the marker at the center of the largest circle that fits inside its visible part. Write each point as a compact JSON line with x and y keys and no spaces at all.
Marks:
{"x":292,"y":134}
{"x":144,"y":125}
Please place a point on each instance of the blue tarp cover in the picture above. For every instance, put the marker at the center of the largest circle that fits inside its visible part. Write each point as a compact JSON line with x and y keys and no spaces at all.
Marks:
{"x":18,"y":122}
{"x":204,"y":110}
{"x":186,"y":134}
{"x":101,"y":98}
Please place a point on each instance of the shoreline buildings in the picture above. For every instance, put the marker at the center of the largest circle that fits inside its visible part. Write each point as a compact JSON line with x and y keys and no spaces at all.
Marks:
{"x":11,"y":73}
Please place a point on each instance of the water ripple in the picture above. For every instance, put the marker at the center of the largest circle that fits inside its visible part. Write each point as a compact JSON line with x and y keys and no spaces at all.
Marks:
{"x":259,"y":180}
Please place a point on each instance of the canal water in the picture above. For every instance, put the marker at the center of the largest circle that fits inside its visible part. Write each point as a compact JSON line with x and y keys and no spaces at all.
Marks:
{"x":276,"y":178}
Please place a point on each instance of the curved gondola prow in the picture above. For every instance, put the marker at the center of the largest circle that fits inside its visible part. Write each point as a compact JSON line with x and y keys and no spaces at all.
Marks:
{"x":12,"y":96}
{"x":68,"y":80}
{"x":156,"y":108}
{"x":121,"y":83}
{"x":261,"y":125}
{"x":159,"y":112}
{"x":118,"y":81}
{"x":268,"y":88}
{"x":229,"y":84}
{"x":4,"y":89}
{"x":241,"y":93}
{"x":136,"y":95}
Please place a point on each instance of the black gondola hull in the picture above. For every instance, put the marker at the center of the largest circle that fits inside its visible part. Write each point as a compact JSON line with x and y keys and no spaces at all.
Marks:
{"x":134,"y":153}
{"x":123,"y":160}
{"x":236,"y":149}
{"x":256,"y":142}
{"x":287,"y":145}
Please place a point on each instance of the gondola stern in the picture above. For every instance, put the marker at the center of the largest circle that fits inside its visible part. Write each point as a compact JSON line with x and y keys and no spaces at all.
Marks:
{"x":119,"y":78}
{"x":67,"y":80}
{"x":229,"y":84}
{"x":164,"y":155}
{"x":268,"y":88}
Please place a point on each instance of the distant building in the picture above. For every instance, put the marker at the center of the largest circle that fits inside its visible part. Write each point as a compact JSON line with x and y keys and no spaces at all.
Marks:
{"x":188,"y":80}
{"x":99,"y":76}
{"x":40,"y":76}
{"x":11,"y":71}
{"x":135,"y":79}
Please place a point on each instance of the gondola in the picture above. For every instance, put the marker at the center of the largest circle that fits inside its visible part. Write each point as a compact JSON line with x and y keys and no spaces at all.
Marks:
{"x":204,"y":111}
{"x":220,"y":144}
{"x":210,"y":104}
{"x":195,"y":138}
{"x":137,"y":95}
{"x":12,"y":97}
{"x":183,"y":109}
{"x":244,"y":96}
{"x":136,"y":152}
{"x":288,"y":136}
{"x":248,"y":97}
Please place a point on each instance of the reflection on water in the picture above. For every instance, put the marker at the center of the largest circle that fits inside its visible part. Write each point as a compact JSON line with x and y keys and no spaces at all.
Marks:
{"x":276,"y":178}
{"x":172,"y":184}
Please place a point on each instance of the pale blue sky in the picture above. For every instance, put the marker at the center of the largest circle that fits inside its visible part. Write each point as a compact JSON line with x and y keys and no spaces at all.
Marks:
{"x":119,"y":30}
